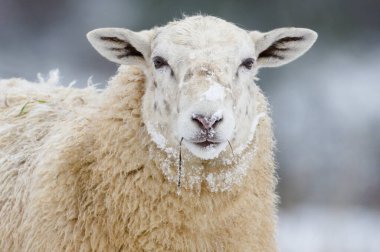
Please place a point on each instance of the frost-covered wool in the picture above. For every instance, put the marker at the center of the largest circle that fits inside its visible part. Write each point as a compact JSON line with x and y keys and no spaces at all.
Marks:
{"x":79,"y":172}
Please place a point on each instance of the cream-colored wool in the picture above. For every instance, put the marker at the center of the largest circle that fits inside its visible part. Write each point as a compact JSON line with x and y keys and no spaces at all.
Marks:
{"x":97,"y":170}
{"x":75,"y":176}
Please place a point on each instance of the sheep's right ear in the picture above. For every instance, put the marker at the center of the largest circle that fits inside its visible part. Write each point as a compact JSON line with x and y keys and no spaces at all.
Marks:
{"x":281,"y":46}
{"x":121,"y":45}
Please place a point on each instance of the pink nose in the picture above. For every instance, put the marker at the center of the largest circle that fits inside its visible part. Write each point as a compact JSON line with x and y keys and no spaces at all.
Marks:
{"x":207,"y":122}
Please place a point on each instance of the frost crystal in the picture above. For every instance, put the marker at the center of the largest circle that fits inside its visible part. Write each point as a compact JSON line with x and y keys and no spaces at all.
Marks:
{"x":160,"y":140}
{"x":156,"y":137}
{"x":214,"y":93}
{"x":255,"y":122}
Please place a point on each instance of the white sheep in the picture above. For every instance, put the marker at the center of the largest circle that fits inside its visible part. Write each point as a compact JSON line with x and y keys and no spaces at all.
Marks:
{"x":176,"y":154}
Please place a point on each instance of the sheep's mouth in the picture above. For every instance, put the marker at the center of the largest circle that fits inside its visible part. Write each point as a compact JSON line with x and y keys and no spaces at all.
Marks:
{"x":206,"y":143}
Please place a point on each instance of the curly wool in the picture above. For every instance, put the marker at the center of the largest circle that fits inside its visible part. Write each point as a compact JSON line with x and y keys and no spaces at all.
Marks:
{"x":79,"y":172}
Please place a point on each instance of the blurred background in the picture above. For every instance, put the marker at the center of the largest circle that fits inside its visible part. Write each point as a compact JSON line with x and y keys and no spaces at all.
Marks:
{"x":326,"y":105}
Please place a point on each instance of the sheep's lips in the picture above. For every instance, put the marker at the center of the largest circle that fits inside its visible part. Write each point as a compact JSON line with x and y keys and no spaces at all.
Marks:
{"x":205,"y":149}
{"x":207,"y":143}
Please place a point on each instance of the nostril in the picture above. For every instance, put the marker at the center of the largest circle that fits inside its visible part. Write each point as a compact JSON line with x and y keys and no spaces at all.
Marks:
{"x":197,"y":121}
{"x":217,"y":121}
{"x":201,"y":120}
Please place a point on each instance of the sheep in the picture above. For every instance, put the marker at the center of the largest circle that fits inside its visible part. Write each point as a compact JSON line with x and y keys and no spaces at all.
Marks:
{"x":175,"y":154}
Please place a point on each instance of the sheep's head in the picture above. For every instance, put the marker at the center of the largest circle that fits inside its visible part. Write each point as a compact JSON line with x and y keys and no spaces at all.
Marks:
{"x":200,"y":76}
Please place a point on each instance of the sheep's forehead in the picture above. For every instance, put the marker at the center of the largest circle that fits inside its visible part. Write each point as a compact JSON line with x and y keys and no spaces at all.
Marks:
{"x":202,"y":34}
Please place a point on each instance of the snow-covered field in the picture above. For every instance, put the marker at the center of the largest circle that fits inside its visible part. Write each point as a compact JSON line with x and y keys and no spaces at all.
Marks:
{"x":316,"y":229}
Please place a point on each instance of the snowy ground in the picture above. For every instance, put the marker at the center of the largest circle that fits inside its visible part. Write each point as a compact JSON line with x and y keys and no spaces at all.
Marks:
{"x":315,"y":229}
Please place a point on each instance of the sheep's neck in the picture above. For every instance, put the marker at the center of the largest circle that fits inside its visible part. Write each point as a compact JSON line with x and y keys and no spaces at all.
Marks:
{"x":219,"y":175}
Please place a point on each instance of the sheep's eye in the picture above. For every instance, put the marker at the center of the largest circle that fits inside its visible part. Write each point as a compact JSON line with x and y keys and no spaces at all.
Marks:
{"x":248,"y":63}
{"x":159,"y":62}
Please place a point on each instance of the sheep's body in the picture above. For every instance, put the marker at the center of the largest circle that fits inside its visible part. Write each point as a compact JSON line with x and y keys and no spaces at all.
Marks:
{"x":83,"y":170}
{"x":80,"y":173}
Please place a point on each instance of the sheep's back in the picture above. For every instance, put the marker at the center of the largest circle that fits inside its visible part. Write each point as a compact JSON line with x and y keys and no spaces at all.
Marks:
{"x":30,"y":113}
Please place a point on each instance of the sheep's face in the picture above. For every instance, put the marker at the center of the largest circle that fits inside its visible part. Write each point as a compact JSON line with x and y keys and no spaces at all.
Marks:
{"x":202,"y":73}
{"x":200,"y":77}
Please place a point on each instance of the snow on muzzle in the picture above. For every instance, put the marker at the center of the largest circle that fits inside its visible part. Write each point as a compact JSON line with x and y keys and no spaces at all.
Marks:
{"x":206,"y":120}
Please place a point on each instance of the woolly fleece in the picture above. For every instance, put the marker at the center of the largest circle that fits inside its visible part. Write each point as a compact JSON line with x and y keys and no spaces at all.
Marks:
{"x":79,"y":172}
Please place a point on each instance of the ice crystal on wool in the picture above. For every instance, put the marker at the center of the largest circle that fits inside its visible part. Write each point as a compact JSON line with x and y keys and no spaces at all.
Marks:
{"x":214,"y":93}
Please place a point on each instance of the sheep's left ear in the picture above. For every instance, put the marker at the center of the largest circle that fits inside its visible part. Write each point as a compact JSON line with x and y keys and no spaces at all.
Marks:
{"x":281,"y":46}
{"x":122,"y":46}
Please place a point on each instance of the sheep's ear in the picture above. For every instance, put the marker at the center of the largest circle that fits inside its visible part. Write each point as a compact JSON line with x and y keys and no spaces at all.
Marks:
{"x":121,"y":45}
{"x":281,"y":46}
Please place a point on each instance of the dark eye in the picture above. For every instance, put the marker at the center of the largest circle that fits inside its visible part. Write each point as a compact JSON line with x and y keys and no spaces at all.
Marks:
{"x":159,"y":62}
{"x":248,"y":63}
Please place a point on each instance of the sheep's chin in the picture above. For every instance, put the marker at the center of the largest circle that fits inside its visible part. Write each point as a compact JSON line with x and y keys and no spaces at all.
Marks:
{"x":205,"y":153}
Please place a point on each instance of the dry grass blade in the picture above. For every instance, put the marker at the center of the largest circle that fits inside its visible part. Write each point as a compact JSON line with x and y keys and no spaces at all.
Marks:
{"x":180,"y":164}
{"x":23,"y":109}
{"x":231,"y":148}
